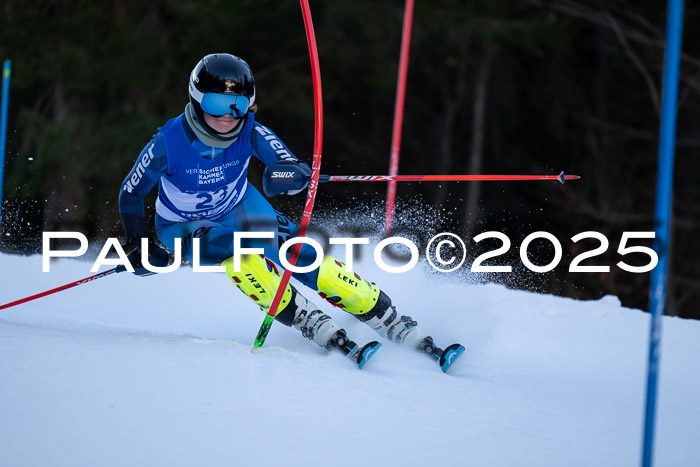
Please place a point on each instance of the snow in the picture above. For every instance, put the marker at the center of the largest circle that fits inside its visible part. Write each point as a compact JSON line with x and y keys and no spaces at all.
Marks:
{"x":158,"y":371}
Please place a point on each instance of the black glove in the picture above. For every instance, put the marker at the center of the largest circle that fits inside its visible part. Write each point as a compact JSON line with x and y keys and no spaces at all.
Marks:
{"x":286,"y":178}
{"x":157,"y":256}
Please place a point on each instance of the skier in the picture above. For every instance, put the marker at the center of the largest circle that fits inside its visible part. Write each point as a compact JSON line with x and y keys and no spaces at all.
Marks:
{"x":200,"y":160}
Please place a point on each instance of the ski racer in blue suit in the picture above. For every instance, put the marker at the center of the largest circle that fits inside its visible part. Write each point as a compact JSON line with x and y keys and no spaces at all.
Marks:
{"x":200,"y":160}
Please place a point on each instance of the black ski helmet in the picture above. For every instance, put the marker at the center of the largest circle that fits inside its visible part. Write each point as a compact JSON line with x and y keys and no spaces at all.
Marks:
{"x":221,"y":74}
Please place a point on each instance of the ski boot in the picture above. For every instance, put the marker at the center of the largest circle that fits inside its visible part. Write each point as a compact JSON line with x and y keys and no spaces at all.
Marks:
{"x":445,"y":357}
{"x":359,"y":355}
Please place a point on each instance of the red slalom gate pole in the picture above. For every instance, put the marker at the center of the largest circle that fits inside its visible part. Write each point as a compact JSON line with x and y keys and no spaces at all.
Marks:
{"x":398,"y":115}
{"x":64,"y":287}
{"x":315,"y":173}
{"x":442,"y":178}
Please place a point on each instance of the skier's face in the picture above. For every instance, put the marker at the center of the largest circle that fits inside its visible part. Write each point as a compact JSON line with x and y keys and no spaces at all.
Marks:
{"x":222,"y":124}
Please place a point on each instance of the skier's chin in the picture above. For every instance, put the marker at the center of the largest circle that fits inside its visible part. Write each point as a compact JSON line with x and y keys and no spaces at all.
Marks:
{"x":223,"y":129}
{"x":221,"y":125}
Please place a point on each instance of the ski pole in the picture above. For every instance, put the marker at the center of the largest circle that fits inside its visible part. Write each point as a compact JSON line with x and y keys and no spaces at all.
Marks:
{"x":315,"y":170}
{"x":64,"y":287}
{"x":442,"y":178}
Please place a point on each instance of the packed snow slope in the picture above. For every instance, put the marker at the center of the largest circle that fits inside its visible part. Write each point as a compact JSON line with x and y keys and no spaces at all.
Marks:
{"x":157,"y":371}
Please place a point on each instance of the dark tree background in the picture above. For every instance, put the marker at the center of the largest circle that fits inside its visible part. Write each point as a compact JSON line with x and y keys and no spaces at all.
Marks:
{"x":516,"y":87}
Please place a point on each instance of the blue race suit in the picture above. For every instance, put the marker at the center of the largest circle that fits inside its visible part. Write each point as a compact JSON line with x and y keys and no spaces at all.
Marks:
{"x":204,"y":193}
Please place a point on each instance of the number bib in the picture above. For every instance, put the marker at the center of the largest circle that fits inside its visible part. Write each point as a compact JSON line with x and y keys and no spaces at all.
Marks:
{"x":197,"y":188}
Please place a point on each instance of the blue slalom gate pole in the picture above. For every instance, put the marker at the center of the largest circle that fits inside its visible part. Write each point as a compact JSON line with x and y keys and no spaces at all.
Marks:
{"x":3,"y":125}
{"x":664,"y":190}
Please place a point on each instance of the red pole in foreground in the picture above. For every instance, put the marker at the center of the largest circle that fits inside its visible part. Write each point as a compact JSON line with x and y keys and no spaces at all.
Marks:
{"x":398,"y":115}
{"x":315,"y":173}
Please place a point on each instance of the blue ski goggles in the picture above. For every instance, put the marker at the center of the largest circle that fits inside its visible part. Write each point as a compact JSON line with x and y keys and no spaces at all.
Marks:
{"x":217,"y":105}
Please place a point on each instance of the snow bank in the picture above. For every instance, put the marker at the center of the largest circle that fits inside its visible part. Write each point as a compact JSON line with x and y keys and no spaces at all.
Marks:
{"x":158,"y":371}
